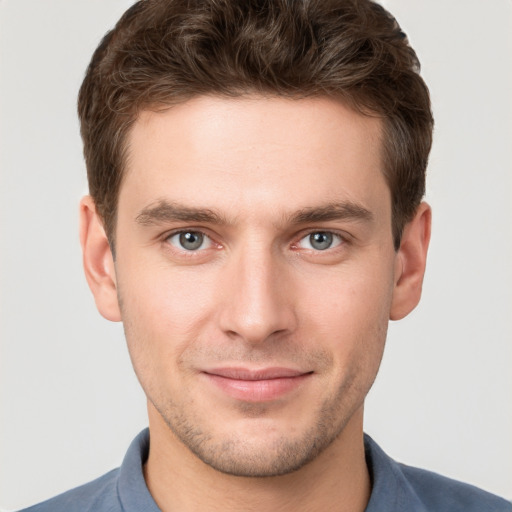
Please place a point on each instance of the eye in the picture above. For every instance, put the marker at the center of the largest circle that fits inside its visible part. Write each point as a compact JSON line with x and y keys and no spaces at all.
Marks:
{"x":320,"y":241}
{"x":190,"y":240}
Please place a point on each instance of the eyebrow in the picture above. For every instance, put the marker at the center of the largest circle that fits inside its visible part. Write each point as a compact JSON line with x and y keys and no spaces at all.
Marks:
{"x":345,"y":210}
{"x":165,"y":211}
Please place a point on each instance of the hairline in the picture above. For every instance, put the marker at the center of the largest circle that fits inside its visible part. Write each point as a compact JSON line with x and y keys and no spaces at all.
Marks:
{"x":349,"y":101}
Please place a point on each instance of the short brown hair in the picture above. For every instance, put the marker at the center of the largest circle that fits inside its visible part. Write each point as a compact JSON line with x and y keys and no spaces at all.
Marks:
{"x":164,"y":52}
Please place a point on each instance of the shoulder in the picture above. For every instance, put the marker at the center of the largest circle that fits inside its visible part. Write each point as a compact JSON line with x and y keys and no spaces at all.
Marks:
{"x":100,"y":495}
{"x":397,"y":487}
{"x":119,"y":490}
{"x":440,"y":493}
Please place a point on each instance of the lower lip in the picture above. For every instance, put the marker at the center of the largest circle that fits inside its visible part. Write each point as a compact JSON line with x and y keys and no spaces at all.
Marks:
{"x":263,"y":390}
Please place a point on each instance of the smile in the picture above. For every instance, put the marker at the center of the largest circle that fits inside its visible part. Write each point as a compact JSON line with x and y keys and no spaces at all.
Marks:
{"x":257,"y":385}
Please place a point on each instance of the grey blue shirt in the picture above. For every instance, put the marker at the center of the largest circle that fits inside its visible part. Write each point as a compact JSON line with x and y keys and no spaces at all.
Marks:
{"x":395,"y":488}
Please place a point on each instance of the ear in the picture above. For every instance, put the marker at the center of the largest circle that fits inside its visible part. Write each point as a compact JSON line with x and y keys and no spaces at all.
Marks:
{"x":410,"y":263}
{"x":98,"y":261}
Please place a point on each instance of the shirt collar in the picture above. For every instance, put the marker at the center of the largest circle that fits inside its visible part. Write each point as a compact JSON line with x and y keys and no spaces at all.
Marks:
{"x":131,"y":486}
{"x":390,"y":490}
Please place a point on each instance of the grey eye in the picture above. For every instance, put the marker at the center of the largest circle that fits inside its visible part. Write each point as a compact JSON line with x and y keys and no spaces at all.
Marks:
{"x":320,"y":241}
{"x":190,"y":240}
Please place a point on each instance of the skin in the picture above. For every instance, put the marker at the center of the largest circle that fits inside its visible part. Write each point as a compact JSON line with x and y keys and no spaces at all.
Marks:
{"x":207,"y":328}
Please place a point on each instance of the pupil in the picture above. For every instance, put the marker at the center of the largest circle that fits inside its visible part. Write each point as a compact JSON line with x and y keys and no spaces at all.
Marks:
{"x":321,"y":241}
{"x":191,"y":240}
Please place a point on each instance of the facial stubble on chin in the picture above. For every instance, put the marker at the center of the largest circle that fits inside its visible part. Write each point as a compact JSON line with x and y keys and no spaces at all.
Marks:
{"x":284,"y":455}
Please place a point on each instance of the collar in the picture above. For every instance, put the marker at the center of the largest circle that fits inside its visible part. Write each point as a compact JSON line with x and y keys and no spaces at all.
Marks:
{"x":391,"y":492}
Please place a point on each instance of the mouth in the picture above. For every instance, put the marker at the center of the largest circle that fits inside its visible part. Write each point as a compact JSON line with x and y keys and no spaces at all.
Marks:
{"x":258,"y":385}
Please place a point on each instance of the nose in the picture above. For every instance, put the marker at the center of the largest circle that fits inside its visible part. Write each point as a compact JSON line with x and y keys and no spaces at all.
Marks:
{"x":258,"y":297}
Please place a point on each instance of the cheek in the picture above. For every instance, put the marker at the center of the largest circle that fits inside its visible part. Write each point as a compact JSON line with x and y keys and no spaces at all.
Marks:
{"x":347,"y":298}
{"x":162,"y":310}
{"x":349,"y":312}
{"x":164,"y":298}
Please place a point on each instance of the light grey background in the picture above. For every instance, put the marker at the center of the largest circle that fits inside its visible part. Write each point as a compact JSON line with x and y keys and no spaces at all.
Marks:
{"x":70,"y":403}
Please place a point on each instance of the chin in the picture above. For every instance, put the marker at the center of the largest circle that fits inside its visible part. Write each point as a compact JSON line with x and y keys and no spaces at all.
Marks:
{"x":256,"y":447}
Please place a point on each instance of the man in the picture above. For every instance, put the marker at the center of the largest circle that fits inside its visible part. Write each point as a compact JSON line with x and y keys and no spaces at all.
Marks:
{"x":256,"y":171}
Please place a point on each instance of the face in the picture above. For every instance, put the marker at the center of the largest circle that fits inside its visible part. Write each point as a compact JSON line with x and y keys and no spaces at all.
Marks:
{"x":255,"y":272}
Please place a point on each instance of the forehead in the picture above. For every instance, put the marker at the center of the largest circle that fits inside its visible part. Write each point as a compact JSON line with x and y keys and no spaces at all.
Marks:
{"x":247,"y":153}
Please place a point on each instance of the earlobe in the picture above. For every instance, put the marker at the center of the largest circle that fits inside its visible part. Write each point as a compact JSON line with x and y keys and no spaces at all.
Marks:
{"x":98,"y":261}
{"x":410,"y":263}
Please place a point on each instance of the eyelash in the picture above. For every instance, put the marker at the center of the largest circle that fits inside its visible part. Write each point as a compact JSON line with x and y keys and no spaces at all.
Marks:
{"x":189,"y":252}
{"x":343,"y":240}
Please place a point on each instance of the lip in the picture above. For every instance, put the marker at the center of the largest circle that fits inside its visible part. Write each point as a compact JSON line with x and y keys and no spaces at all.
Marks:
{"x":257,"y":385}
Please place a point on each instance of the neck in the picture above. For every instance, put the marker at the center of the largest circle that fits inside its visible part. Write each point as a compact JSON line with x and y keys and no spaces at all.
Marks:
{"x":337,"y":479}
